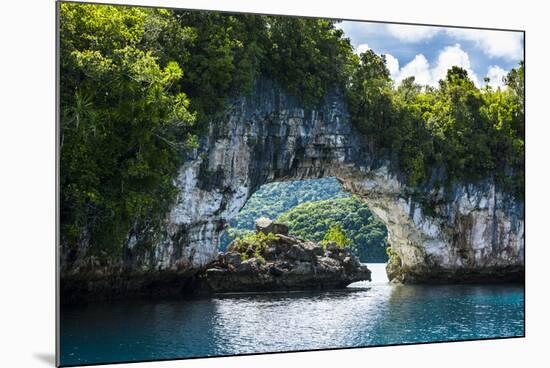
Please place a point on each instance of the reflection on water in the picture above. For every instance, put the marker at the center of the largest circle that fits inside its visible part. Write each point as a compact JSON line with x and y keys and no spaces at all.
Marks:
{"x":364,"y":314}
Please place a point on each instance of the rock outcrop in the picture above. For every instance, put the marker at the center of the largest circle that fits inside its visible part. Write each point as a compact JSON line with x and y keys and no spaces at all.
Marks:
{"x":470,"y":232}
{"x":266,"y":226}
{"x":282,"y":263}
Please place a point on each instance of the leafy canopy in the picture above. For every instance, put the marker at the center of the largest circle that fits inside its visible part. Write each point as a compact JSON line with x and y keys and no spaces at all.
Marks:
{"x":124,"y":122}
{"x":456,"y":132}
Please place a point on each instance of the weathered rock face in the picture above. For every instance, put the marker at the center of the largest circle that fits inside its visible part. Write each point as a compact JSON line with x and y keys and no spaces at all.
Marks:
{"x":285,"y":263}
{"x":469,"y":233}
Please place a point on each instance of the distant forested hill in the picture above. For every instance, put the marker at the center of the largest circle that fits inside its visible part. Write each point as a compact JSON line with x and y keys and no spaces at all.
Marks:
{"x":272,"y":200}
{"x":275,"y":198}
{"x":368,"y":234}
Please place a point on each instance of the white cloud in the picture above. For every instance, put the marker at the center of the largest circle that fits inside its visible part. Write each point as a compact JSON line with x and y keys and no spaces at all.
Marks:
{"x":494,"y":44}
{"x":504,"y":44}
{"x":427,"y":74}
{"x":362,"y":48}
{"x":496,"y":75}
{"x":449,"y":57}
{"x":393,"y":65}
{"x":408,"y":33}
{"x":419,"y":68}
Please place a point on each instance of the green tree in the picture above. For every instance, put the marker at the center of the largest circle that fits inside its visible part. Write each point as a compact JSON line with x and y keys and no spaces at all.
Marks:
{"x":515,"y":80}
{"x":504,"y":112}
{"x":336,"y":235}
{"x":223,"y":57}
{"x":369,"y":97}
{"x":308,"y":56}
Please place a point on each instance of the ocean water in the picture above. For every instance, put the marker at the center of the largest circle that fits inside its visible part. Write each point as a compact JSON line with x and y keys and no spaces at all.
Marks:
{"x":364,"y":314}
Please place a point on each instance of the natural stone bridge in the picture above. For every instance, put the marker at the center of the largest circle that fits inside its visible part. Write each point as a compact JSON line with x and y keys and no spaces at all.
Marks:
{"x":471,"y":233}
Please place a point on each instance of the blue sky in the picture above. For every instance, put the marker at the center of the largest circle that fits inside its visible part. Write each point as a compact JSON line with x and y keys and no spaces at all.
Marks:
{"x":427,"y":52}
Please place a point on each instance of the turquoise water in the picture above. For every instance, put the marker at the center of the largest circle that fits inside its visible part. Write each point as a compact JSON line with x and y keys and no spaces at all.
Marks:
{"x":364,"y":314}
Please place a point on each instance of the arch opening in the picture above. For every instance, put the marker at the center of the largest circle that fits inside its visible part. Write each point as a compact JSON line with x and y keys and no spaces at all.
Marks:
{"x":310,"y":208}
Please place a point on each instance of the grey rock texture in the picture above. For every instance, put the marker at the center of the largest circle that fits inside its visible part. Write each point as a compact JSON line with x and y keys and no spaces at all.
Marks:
{"x":468,"y":233}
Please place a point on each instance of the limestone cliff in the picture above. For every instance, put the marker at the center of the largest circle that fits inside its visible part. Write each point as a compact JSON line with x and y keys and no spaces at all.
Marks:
{"x":466,"y":233}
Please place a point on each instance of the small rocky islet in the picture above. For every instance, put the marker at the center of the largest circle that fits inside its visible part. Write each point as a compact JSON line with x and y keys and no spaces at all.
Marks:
{"x":273,"y":260}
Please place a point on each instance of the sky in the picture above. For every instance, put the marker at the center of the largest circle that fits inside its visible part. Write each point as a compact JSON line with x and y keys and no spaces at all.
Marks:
{"x":427,"y":52}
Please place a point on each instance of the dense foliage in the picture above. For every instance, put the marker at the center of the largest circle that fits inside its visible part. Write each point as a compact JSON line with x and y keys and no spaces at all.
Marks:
{"x":138,"y":84}
{"x":308,"y":56}
{"x":123,"y":122}
{"x":456,"y":132}
{"x":347,"y":221}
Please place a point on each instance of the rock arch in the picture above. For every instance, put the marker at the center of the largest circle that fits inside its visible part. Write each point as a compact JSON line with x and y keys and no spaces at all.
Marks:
{"x":471,"y":233}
